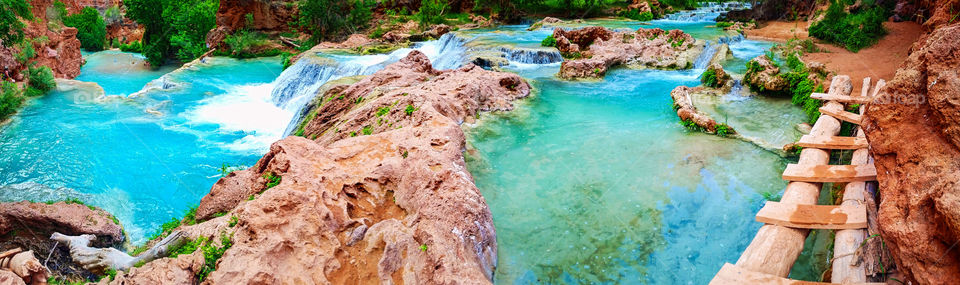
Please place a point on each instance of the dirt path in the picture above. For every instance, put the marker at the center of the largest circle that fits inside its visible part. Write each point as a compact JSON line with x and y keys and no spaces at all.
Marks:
{"x":879,"y":61}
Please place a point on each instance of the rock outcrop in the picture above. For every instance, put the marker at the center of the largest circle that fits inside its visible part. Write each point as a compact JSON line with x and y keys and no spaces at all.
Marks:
{"x":714,"y":76}
{"x":914,"y":133}
{"x":688,"y":113}
{"x":268,"y":16}
{"x":379,"y":193}
{"x":60,"y":51}
{"x":762,"y":75}
{"x":596,"y":49}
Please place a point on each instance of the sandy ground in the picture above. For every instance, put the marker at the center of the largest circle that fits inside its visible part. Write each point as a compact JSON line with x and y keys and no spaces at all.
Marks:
{"x":879,"y":61}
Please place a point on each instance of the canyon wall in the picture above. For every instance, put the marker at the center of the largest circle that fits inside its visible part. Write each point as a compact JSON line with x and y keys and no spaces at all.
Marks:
{"x":914,"y":132}
{"x":268,"y":16}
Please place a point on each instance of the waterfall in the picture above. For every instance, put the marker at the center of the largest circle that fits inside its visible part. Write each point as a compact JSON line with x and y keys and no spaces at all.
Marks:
{"x":708,"y":11}
{"x":704,"y":58}
{"x":531,"y":56}
{"x":299,"y":83}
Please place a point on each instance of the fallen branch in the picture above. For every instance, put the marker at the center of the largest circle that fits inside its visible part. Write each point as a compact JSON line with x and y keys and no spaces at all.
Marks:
{"x":25,"y":265}
{"x":98,"y":260}
{"x":289,"y":42}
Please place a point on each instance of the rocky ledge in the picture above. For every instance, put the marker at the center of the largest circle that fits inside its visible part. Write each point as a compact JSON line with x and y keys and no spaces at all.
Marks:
{"x":593,"y":50}
{"x":914,"y":133}
{"x":379,"y":193}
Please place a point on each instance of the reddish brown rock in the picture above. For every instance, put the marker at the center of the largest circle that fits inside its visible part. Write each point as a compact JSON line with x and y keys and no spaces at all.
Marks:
{"x":73,"y":219}
{"x":683,"y":103}
{"x":268,"y":16}
{"x":392,"y":204}
{"x":914,"y":133}
{"x":596,"y":49}
{"x":762,"y":75}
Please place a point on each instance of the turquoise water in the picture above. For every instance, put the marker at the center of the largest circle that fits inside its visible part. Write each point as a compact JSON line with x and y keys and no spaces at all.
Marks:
{"x":145,"y":167}
{"x":588,"y":182}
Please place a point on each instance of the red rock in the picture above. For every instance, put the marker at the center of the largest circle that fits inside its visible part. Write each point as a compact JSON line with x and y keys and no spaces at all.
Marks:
{"x":394,"y":206}
{"x":268,"y":16}
{"x":601,"y":49}
{"x":73,"y":219}
{"x":914,"y":134}
{"x":765,"y":78}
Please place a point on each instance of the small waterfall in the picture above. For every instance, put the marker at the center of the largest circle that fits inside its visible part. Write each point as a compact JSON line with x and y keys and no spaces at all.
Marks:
{"x":298,"y":85}
{"x":730,"y":39}
{"x":708,"y":11}
{"x":531,"y":56}
{"x":704,"y":58}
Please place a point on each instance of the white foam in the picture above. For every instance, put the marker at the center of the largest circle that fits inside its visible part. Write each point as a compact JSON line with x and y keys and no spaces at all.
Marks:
{"x":247,"y":109}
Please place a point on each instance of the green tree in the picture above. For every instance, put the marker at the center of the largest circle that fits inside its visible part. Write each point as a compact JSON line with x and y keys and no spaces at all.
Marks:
{"x":173,"y":27}
{"x":91,"y":29}
{"x":323,"y":19}
{"x":11,"y":29}
{"x":10,"y":99}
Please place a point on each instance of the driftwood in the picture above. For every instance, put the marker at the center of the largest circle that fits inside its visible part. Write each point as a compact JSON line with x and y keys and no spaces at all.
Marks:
{"x":25,"y":265}
{"x":101,"y":259}
{"x":289,"y":42}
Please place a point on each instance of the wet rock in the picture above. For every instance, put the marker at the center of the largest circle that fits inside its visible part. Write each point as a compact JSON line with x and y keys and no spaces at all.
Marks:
{"x":683,"y":103}
{"x":914,"y":133}
{"x":596,"y":49}
{"x":379,"y":194}
{"x":715,"y":76}
{"x":545,"y":22}
{"x":762,"y":75}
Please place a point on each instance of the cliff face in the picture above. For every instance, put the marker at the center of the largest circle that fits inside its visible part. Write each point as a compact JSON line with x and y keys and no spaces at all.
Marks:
{"x":60,"y":51}
{"x":378,"y":194}
{"x":268,"y":15}
{"x":914,"y":133}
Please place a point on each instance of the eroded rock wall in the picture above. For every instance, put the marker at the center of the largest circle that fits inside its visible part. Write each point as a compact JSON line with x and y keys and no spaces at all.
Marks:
{"x":914,"y":134}
{"x":594,"y":50}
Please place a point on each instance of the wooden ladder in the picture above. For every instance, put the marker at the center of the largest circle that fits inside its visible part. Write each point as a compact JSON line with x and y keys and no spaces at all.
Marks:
{"x":772,"y":252}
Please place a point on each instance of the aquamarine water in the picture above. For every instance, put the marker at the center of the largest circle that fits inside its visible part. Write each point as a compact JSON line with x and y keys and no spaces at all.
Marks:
{"x":145,"y":167}
{"x":588,"y":182}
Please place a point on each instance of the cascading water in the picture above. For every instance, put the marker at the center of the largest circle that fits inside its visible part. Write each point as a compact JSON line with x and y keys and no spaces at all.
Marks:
{"x":297,"y":85}
{"x":706,"y":12}
{"x":531,"y":56}
{"x":704,"y":58}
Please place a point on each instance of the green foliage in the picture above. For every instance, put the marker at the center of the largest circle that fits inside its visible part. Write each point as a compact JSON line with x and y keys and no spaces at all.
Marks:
{"x":723,"y":130}
{"x":191,"y":217}
{"x":724,"y":24}
{"x":794,"y":63}
{"x":112,"y":15}
{"x":327,"y":19}
{"x":233,"y":221}
{"x":131,"y":47}
{"x":409,"y":110}
{"x":272,"y":179}
{"x":247,"y":44}
{"x":286,"y":59}
{"x":431,"y":12}
{"x":423,"y":247}
{"x":753,"y":66}
{"x":26,"y":52}
{"x":405,"y":154}
{"x":110,"y":273}
{"x":680,"y":4}
{"x":187,"y":247}
{"x":800,"y":86}
{"x":709,"y":78}
{"x":382,"y":111}
{"x":212,"y":254}
{"x":691,"y":125}
{"x":853,"y":31}
{"x":226,"y":168}
{"x":91,"y":29}
{"x":41,"y":78}
{"x":636,"y":15}
{"x":173,"y":27}
{"x":549,"y":41}
{"x":771,"y":196}
{"x":367,"y":130}
{"x":11,"y":28}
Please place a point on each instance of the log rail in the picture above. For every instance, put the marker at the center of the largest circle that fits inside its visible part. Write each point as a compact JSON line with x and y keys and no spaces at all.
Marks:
{"x":777,"y":245}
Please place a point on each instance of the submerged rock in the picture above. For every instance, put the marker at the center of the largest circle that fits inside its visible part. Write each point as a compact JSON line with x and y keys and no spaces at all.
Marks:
{"x":914,"y":132}
{"x":595,"y":49}
{"x":688,"y":113}
{"x":379,"y":194}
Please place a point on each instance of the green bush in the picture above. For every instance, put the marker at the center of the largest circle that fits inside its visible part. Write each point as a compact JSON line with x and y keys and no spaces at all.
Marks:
{"x":91,"y":29}
{"x":11,"y":28}
{"x":10,"y":99}
{"x":245,"y":44}
{"x":26,"y":52}
{"x":724,"y":24}
{"x":41,"y":78}
{"x":709,"y":78}
{"x":131,"y":47}
{"x":431,"y":12}
{"x":173,"y":27}
{"x":636,"y":15}
{"x":680,"y":4}
{"x":328,"y":19}
{"x":852,"y":31}
{"x":549,"y":41}
{"x":112,"y":15}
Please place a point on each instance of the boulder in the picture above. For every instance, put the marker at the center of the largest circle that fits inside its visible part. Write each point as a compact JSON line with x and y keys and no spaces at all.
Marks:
{"x":43,"y":219}
{"x":762,"y":76}
{"x":714,"y":76}
{"x":683,"y":104}
{"x":596,"y":49}
{"x":914,"y":132}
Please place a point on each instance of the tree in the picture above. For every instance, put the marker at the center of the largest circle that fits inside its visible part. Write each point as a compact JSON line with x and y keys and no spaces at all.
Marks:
{"x":324,"y":19}
{"x":91,"y":29}
{"x":173,"y":27}
{"x":11,"y":29}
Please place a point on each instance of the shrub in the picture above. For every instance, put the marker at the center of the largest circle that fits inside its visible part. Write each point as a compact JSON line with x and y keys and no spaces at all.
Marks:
{"x":41,"y":78}
{"x":709,"y":78}
{"x":112,"y":15}
{"x":852,"y":31}
{"x":723,"y":130}
{"x":11,"y":28}
{"x":724,"y":24}
{"x":636,"y":15}
{"x":272,"y":180}
{"x":10,"y":99}
{"x":131,"y":47}
{"x":431,"y":12}
{"x":173,"y":27}
{"x":325,"y":19}
{"x":91,"y":29}
{"x":244,"y":44}
{"x":26,"y":52}
{"x":212,"y":254}
{"x":286,"y":59}
{"x":549,"y":41}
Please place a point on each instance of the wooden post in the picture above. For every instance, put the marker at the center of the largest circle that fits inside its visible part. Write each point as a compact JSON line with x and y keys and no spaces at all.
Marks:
{"x":848,"y":266}
{"x":775,"y":248}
